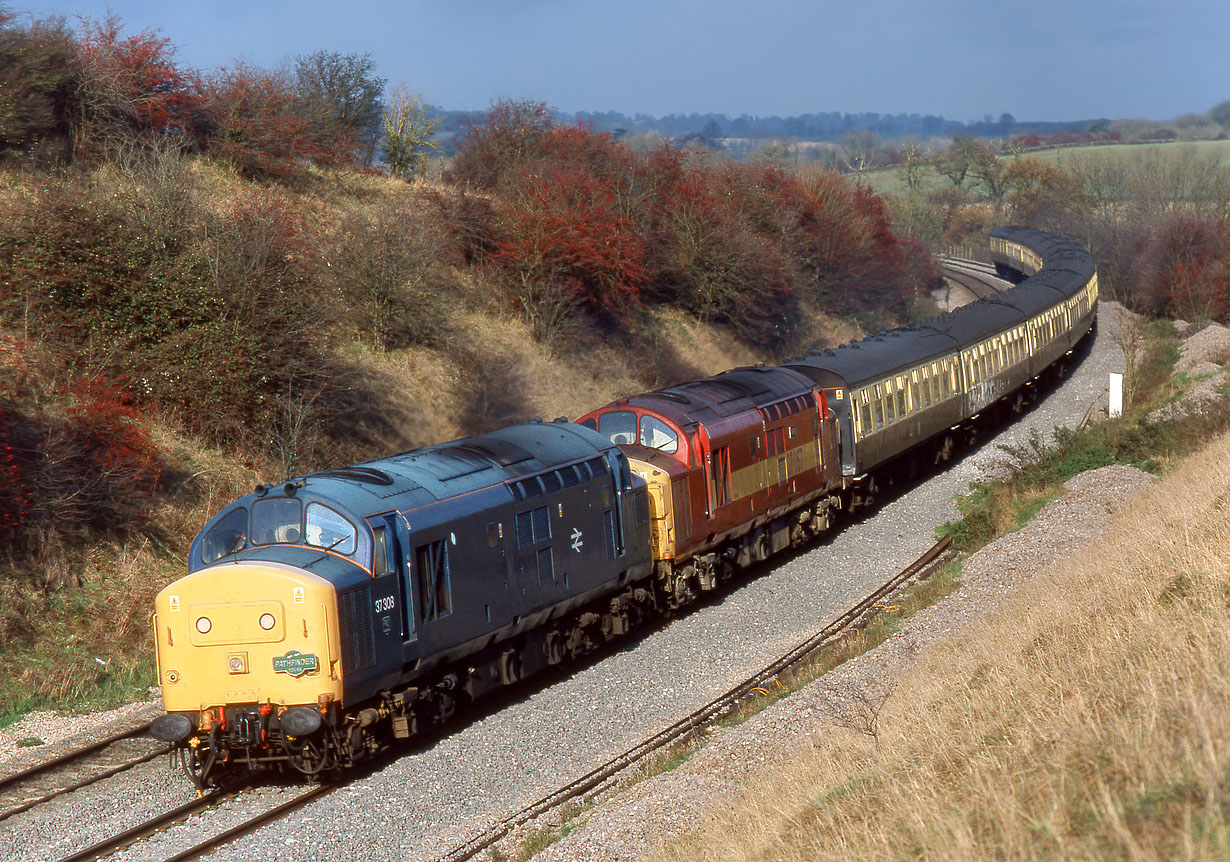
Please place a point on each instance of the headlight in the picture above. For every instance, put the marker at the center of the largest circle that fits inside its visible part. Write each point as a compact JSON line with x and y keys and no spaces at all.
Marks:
{"x":203,"y":625}
{"x":236,"y":664}
{"x":267,"y":621}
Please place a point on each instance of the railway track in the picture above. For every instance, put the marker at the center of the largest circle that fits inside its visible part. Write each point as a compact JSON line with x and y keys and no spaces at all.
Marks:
{"x":123,"y":750}
{"x":180,"y":815}
{"x":598,"y":779}
{"x":974,"y":277}
{"x":77,"y":769}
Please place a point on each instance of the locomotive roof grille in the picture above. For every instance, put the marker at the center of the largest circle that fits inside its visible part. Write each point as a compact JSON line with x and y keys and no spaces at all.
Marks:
{"x":366,"y":475}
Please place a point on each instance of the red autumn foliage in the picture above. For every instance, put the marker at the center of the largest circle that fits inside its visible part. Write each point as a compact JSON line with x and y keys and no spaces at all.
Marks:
{"x":737,"y":243}
{"x":566,"y":229}
{"x":253,"y":123}
{"x":91,"y":467}
{"x":1183,"y":269}
{"x":132,"y":84}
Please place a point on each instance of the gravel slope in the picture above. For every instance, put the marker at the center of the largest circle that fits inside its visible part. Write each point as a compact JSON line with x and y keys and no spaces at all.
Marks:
{"x":426,"y":802}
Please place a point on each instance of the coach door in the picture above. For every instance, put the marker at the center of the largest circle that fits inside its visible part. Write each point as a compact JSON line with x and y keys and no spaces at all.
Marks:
{"x":839,"y":403}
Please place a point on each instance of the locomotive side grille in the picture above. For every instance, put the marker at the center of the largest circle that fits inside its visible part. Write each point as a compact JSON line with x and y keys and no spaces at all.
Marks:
{"x":546,"y":566}
{"x":542,"y":524}
{"x":354,"y":617}
{"x":608,"y":524}
{"x":597,"y":467}
{"x":525,"y":529}
{"x":683,"y":508}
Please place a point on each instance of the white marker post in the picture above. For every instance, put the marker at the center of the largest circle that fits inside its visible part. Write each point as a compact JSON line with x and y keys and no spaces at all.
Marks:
{"x":1116,"y":395}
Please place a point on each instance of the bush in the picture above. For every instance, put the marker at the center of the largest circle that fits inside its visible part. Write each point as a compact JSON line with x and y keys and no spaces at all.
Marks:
{"x":387,"y":264}
{"x":1185,"y":269}
{"x":75,"y":466}
{"x":255,"y":125}
{"x":130,"y":89}
{"x":213,"y":334}
{"x":36,"y":85}
{"x":509,"y":138}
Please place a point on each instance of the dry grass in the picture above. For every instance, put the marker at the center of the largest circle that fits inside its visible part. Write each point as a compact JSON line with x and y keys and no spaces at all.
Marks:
{"x":1088,"y":720}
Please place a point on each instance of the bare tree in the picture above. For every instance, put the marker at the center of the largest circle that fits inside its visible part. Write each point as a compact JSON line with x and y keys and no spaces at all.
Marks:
{"x":859,"y":146}
{"x":912,"y":164}
{"x":406,"y":135}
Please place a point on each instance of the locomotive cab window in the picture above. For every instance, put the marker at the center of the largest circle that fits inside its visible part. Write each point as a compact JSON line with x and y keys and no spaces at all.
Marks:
{"x":277,"y":519}
{"x":227,"y":536}
{"x":380,"y":553}
{"x":327,"y":529}
{"x":656,"y":434}
{"x":618,"y":427}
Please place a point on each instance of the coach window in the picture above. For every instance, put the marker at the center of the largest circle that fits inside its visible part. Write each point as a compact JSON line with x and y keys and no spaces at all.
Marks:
{"x":901,"y":401}
{"x":618,"y":427}
{"x":656,"y":434}
{"x":877,"y":408}
{"x":890,"y":415}
{"x":865,"y":415}
{"x":277,"y":519}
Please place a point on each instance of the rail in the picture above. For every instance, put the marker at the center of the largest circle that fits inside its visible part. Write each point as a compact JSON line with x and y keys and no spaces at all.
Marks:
{"x":14,"y":798}
{"x":700,"y":718}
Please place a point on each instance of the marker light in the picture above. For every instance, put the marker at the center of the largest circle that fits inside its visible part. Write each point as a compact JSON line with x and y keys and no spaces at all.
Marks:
{"x":203,"y":625}
{"x":267,"y":621}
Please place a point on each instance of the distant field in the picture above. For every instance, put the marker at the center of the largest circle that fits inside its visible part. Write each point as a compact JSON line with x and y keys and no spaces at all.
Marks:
{"x":1064,"y":156}
{"x":890,"y":181}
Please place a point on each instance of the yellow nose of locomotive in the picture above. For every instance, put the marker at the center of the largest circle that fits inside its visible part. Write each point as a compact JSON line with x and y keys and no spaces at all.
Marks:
{"x":247,"y":633}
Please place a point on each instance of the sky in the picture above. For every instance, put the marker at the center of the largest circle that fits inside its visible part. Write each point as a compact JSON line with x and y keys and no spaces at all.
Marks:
{"x":962,"y":59}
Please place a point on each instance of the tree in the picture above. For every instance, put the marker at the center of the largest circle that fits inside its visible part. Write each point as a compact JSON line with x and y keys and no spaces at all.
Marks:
{"x":511,"y":135}
{"x":955,"y":162}
{"x":338,"y":98}
{"x":1040,"y":195}
{"x":406,"y":135}
{"x":780,"y":153}
{"x":859,"y":146}
{"x":912,"y":162}
{"x":986,"y":169}
{"x":1220,"y":114}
